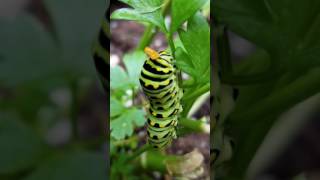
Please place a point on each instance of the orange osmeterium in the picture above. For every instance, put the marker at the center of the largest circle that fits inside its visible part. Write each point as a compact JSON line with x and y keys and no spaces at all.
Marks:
{"x":151,"y":53}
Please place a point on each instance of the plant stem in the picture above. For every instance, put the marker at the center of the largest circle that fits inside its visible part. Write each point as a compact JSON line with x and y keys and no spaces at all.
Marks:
{"x":144,"y":148}
{"x":171,"y":44}
{"x":151,"y":30}
{"x":203,"y":89}
{"x":194,"y":126}
{"x":146,"y":37}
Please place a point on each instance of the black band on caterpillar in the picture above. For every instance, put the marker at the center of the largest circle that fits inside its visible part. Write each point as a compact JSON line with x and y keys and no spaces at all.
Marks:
{"x":159,"y":83}
{"x":101,"y":52}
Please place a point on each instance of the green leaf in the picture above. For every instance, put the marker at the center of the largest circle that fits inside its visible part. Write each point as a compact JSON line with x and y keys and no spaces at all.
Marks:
{"x":20,"y":147}
{"x":76,"y":23}
{"x":72,"y":165}
{"x":288,"y":32}
{"x":277,"y":27}
{"x":143,"y":10}
{"x":196,"y":41}
{"x":182,"y":10}
{"x":26,"y":48}
{"x":134,"y":62}
{"x":184,"y":62}
{"x":116,"y":108}
{"x":124,"y":125}
{"x":118,"y":78}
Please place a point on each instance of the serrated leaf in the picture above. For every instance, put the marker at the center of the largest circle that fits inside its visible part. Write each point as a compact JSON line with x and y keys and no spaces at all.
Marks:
{"x":276,"y":26}
{"x":196,"y":41}
{"x":118,"y":78}
{"x":124,"y":125}
{"x":182,"y":10}
{"x":143,"y":10}
{"x":116,"y":108}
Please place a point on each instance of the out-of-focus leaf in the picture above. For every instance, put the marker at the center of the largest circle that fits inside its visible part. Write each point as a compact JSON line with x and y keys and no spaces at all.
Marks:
{"x":116,"y":108}
{"x":27,"y":52}
{"x":76,"y":24}
{"x":284,"y":28}
{"x":20,"y":147}
{"x":183,"y":10}
{"x":143,"y":10}
{"x":123,"y":126}
{"x":288,"y":31}
{"x":119,"y":78}
{"x":30,"y":54}
{"x":72,"y":165}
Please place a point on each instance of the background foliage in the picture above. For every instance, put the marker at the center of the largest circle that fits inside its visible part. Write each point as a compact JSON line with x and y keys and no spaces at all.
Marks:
{"x":282,"y":72}
{"x":46,"y":80}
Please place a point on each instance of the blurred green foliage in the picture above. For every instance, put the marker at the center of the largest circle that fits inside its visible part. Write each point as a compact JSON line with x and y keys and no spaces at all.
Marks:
{"x":281,"y":73}
{"x":35,"y":63}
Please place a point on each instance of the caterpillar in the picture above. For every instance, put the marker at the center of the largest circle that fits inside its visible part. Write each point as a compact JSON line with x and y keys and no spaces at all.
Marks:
{"x":159,"y":83}
{"x":100,"y":52}
{"x":223,"y":101}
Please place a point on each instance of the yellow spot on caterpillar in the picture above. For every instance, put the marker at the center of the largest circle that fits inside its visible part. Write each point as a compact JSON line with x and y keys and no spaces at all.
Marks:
{"x":155,"y":86}
{"x":152,"y":54}
{"x":154,"y":113}
{"x":166,"y":82}
{"x":152,"y":123}
{"x":161,"y":126}
{"x":165,"y":70}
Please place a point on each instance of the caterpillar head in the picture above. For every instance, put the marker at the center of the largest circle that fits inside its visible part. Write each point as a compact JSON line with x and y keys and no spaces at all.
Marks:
{"x":163,"y":57}
{"x":152,"y":54}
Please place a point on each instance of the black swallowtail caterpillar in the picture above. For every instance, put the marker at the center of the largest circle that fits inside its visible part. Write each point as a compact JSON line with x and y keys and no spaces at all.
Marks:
{"x":101,"y":52}
{"x":159,"y":83}
{"x":224,"y":98}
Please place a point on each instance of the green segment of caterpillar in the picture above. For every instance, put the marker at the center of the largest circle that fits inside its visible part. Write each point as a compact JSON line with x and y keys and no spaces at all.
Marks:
{"x":159,"y":83}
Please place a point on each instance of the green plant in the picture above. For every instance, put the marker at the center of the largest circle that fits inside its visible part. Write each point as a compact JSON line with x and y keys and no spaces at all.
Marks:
{"x":282,"y":72}
{"x":191,"y":51}
{"x":37,"y":63}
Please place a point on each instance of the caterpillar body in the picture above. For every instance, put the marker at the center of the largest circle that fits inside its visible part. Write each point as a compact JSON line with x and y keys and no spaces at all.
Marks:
{"x":159,"y":83}
{"x":224,"y":99}
{"x":100,"y":52}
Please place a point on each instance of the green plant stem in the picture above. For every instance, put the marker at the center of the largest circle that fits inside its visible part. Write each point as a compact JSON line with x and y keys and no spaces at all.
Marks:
{"x":137,"y":153}
{"x":154,"y":160}
{"x":126,"y":141}
{"x":147,"y":37}
{"x":199,"y":91}
{"x":194,"y":126}
{"x":74,"y":109}
{"x":151,"y":30}
{"x":171,"y":44}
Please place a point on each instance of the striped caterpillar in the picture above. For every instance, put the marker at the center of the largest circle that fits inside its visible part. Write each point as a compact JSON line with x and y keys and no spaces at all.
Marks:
{"x":159,"y":83}
{"x":101,"y":52}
